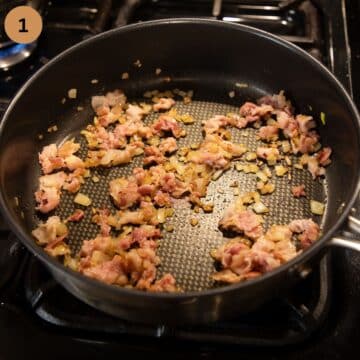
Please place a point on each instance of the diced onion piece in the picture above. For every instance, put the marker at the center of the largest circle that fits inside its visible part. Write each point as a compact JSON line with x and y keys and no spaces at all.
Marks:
{"x":262,"y":176}
{"x":169,"y":228}
{"x":250,"y":156}
{"x":267,"y":188}
{"x":260,"y":208}
{"x":72,"y":93}
{"x":208,"y":208}
{"x":285,"y":145}
{"x":217,"y":174}
{"x":82,"y":199}
{"x":281,"y":170}
{"x":317,"y":207}
{"x":95,"y":179}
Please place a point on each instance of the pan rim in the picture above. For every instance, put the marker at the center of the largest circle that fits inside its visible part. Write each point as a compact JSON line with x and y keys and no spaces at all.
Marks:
{"x":57,"y":266}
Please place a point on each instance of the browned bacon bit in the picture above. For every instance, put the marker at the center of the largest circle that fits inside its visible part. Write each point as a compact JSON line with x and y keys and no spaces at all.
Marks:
{"x":168,"y":145}
{"x":277,"y":101}
{"x":144,"y":236}
{"x":306,"y":123}
{"x":74,"y":180}
{"x":217,"y":122}
{"x":102,"y":258}
{"x":269,"y":133}
{"x":52,"y":157}
{"x":166,"y":123}
{"x":153,"y":155}
{"x":240,"y":262}
{"x":241,"y":221}
{"x":308,"y":230}
{"x":124,"y":192}
{"x":52,"y":234}
{"x":271,"y":155}
{"x":323,"y":156}
{"x":162,"y":199}
{"x":114,"y":157}
{"x":146,"y":214}
{"x":252,"y":112}
{"x":298,"y":191}
{"x":166,"y":284}
{"x":134,"y":113}
{"x":76,"y":216}
{"x":98,"y":137}
{"x":48,"y":194}
{"x":108,"y":271}
{"x":101,"y":218}
{"x":163,"y":104}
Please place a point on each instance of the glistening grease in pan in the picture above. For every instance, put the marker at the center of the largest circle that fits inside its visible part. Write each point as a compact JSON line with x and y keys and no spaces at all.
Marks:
{"x":171,"y":194}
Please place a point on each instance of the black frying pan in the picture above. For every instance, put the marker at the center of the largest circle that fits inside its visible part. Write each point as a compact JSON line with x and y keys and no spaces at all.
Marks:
{"x":209,"y":57}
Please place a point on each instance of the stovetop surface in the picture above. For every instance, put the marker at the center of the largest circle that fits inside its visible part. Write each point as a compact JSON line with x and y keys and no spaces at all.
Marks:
{"x":37,"y":316}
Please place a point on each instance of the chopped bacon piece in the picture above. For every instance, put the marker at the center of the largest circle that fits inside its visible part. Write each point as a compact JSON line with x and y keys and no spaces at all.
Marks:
{"x":146,"y":189}
{"x":309,"y":231}
{"x":253,"y":112}
{"x":48,"y":194}
{"x":268,"y":153}
{"x":277,"y":101}
{"x":76,"y":216}
{"x":109,"y":272}
{"x":269,"y":133}
{"x":168,"y":145}
{"x":245,"y":221}
{"x":102,"y":219}
{"x":162,"y":199}
{"x":166,"y":284}
{"x":139,"y":174}
{"x":166,"y":123}
{"x":124,"y":192}
{"x":278,"y":233}
{"x":74,"y":180}
{"x":305,"y":143}
{"x":134,"y":113}
{"x":298,"y":191}
{"x":52,"y":157}
{"x":164,"y":104}
{"x":116,"y":97}
{"x":323,"y":156}
{"x":99,"y":138}
{"x":306,"y":123}
{"x":50,"y":231}
{"x":153,"y":155}
{"x":214,"y":124}
{"x":99,"y":102}
{"x":146,"y":214}
{"x":173,"y":186}
{"x":113,"y":157}
{"x":144,"y":236}
{"x":313,"y":166}
{"x":49,"y":159}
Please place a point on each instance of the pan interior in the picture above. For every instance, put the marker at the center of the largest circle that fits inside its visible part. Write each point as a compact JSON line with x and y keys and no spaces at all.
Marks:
{"x":185,"y":251}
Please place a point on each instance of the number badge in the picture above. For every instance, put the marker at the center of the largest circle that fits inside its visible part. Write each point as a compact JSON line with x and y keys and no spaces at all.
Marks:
{"x":23,"y":24}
